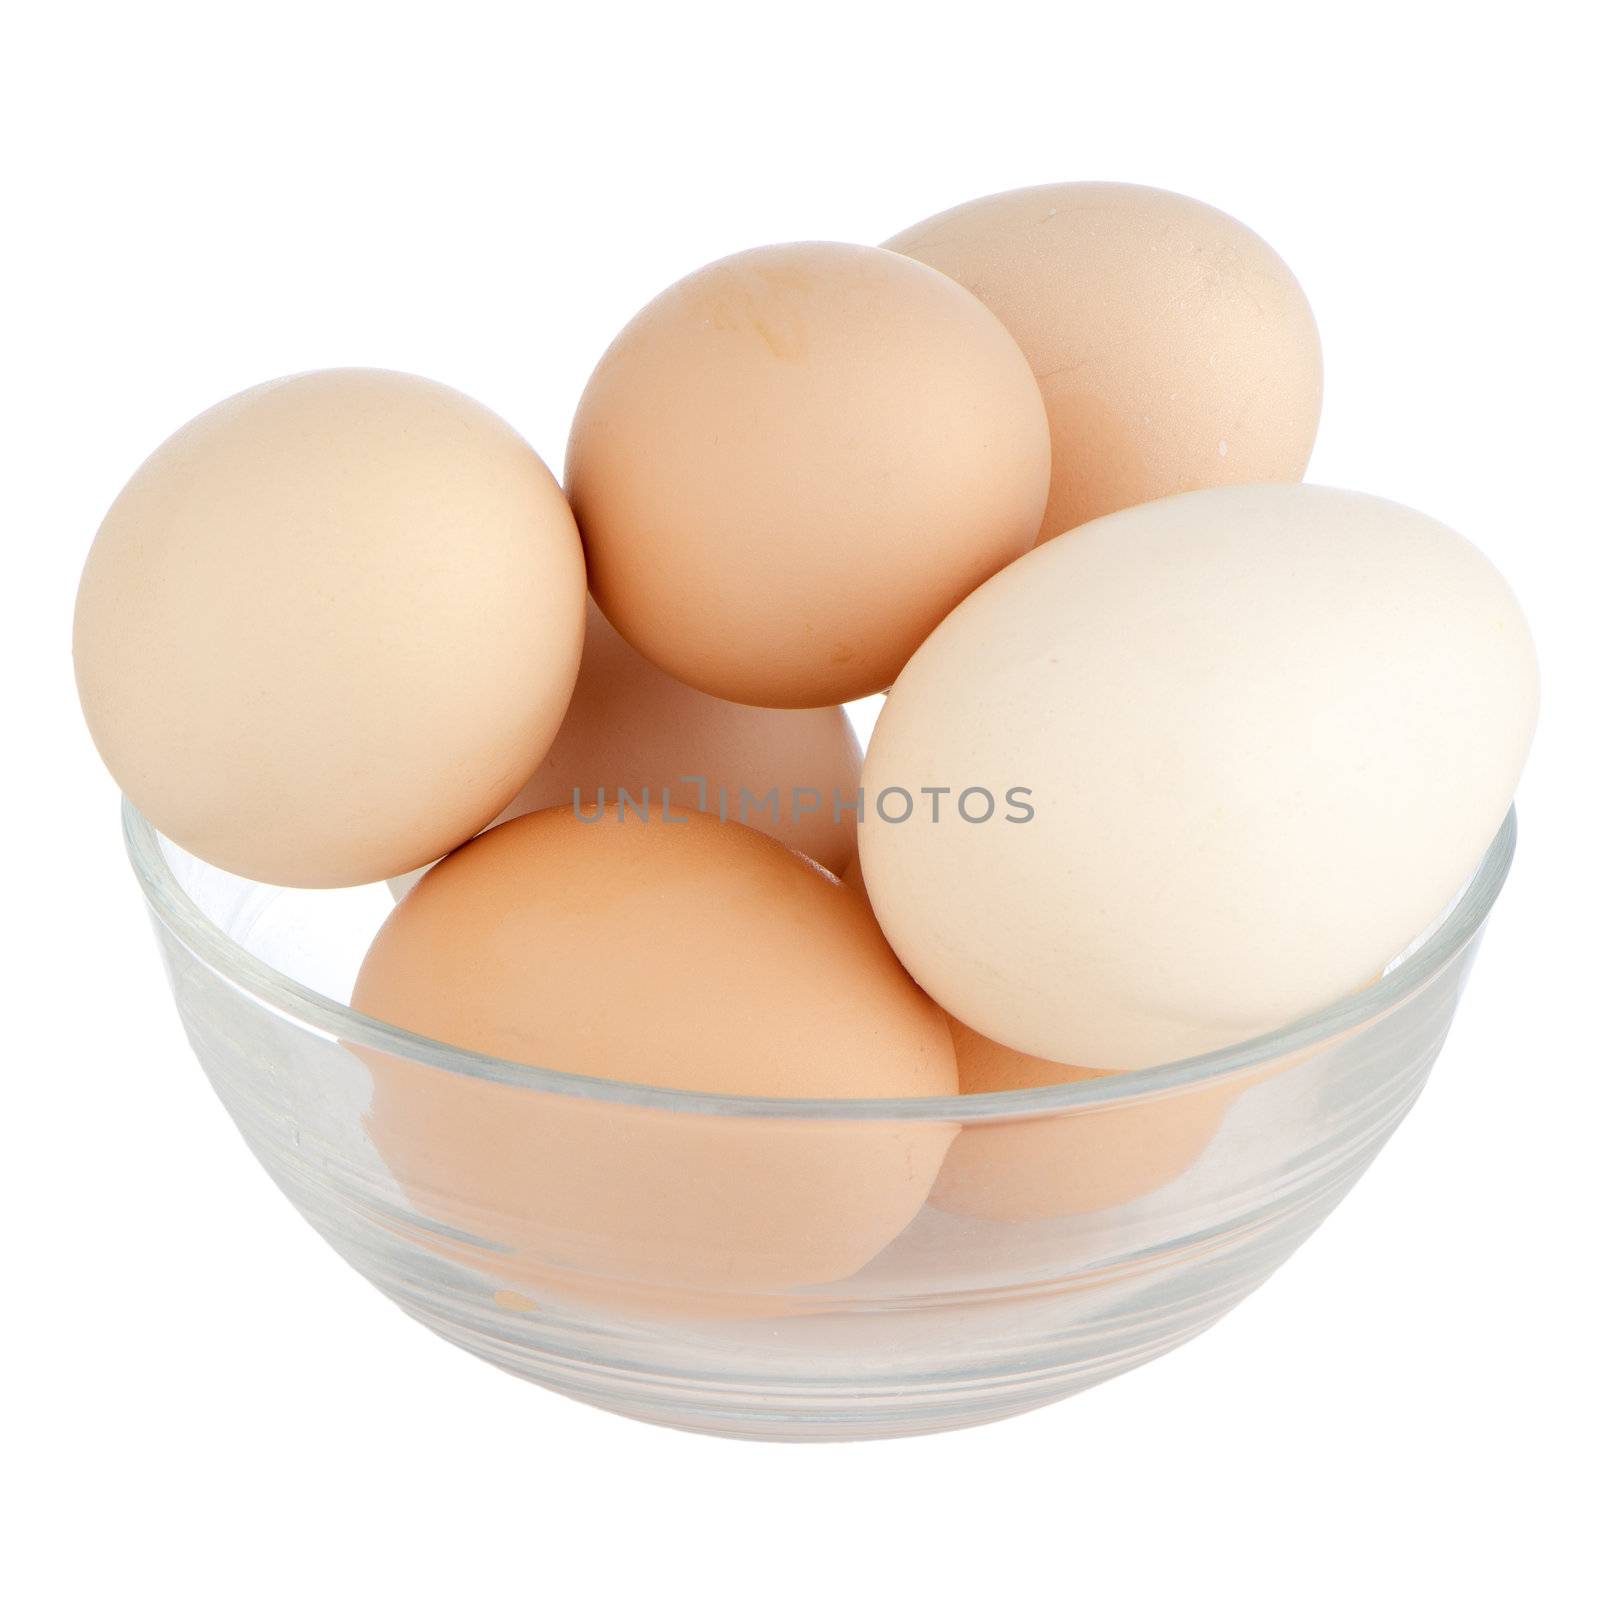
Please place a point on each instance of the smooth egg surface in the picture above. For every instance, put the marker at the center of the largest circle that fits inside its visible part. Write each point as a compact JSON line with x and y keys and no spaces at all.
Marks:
{"x":632,"y":731}
{"x":791,"y":464}
{"x":329,"y":628}
{"x":1173,"y":348}
{"x":1068,"y":1163}
{"x":1265,"y":732}
{"x":696,"y":955}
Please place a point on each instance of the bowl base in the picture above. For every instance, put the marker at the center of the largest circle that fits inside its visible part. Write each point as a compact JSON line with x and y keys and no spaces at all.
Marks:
{"x":822,"y":1413}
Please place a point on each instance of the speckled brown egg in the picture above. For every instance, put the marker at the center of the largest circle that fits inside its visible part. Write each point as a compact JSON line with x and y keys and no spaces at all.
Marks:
{"x":1173,"y":347}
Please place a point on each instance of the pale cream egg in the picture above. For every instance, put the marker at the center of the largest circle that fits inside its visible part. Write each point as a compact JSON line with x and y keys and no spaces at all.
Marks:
{"x":1264,"y":734}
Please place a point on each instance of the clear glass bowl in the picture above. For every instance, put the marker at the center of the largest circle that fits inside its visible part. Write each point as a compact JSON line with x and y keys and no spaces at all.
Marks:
{"x":653,"y":1252}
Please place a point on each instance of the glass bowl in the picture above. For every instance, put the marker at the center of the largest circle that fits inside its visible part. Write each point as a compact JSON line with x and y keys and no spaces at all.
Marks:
{"x":782,"y":1269}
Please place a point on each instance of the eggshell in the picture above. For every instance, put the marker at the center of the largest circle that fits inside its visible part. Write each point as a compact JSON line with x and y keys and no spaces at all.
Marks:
{"x":1268,"y":732}
{"x":794,"y":775}
{"x":330,"y":626}
{"x":790,"y":465}
{"x":1069,"y":1163}
{"x":1173,"y":348}
{"x":693,"y":955}
{"x":850,"y":875}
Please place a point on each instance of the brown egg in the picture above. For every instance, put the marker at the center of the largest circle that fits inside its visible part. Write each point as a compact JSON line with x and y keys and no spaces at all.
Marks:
{"x":695,"y":955}
{"x":631,"y":726}
{"x":1069,"y":1163}
{"x":790,"y":465}
{"x":329,"y":627}
{"x":1174,"y":349}
{"x":850,"y":875}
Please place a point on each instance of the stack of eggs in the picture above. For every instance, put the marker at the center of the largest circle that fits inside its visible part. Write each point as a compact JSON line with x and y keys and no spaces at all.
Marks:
{"x":1177,"y":748}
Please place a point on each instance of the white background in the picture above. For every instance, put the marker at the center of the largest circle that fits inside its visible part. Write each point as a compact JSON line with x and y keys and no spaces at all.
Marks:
{"x":198,"y":1394}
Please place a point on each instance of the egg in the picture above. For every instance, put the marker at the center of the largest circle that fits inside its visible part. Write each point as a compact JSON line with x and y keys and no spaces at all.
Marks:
{"x":632,"y":729}
{"x":1174,"y":349}
{"x":850,"y":874}
{"x":1068,"y":1163}
{"x":329,"y":628}
{"x":1238,"y":747}
{"x":790,"y":465}
{"x":696,"y":955}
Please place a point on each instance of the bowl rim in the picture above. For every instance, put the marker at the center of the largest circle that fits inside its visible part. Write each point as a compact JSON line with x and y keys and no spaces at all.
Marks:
{"x":203,"y":938}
